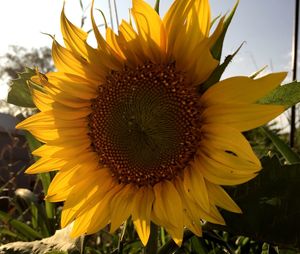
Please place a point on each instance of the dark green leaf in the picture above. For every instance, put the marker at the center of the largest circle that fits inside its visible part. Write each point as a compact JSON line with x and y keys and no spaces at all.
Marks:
{"x":217,"y":47}
{"x":288,"y":95}
{"x":19,"y":93}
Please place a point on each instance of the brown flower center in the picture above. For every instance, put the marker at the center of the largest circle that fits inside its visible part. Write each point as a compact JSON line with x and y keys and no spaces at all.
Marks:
{"x":144,"y":124}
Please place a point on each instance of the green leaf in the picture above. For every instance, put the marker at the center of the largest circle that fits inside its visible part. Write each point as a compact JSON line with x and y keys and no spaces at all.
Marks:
{"x":19,"y":226}
{"x":288,"y":95}
{"x":19,"y":93}
{"x":217,"y":73}
{"x":282,"y":147}
{"x":217,"y":47}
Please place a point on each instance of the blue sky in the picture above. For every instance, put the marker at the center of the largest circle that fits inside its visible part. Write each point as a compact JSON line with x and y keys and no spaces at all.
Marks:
{"x":265,"y":26}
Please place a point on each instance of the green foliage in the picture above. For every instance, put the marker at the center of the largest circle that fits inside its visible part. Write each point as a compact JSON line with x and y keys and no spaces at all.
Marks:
{"x":287,"y":95}
{"x":270,"y":208}
{"x":289,"y":155}
{"x":19,"y":93}
{"x":22,"y":229}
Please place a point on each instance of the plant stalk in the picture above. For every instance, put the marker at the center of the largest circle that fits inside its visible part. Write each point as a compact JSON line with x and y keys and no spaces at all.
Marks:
{"x":152,"y":244}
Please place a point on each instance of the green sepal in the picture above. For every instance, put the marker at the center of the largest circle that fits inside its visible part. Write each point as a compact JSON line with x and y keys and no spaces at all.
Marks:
{"x":214,"y":20}
{"x":287,"y":95}
{"x":156,"y":6}
{"x":218,"y":72}
{"x":216,"y":49}
{"x":20,"y":94}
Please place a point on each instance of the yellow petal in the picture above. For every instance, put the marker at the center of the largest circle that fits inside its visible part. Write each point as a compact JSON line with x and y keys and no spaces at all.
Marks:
{"x":113,"y":43}
{"x":130,"y":44}
{"x":195,"y":187}
{"x":190,"y":219}
{"x":65,"y":113}
{"x":150,"y":29}
{"x":228,"y":139}
{"x":73,"y":85}
{"x":174,"y":21}
{"x":236,"y":171}
{"x":197,"y":24}
{"x":230,"y":160}
{"x":121,"y":206}
{"x":194,"y":210}
{"x":74,"y":37}
{"x":141,"y":213}
{"x":243,"y":117}
{"x":221,"y":198}
{"x":95,"y":218}
{"x":112,"y":59}
{"x":70,"y":213}
{"x":187,"y":25}
{"x":198,"y":19}
{"x":41,"y":100}
{"x":242,"y":89}
{"x":203,"y":66}
{"x":61,"y":98}
{"x":83,"y":194}
{"x":67,"y":152}
{"x":45,"y":121}
{"x":66,"y":61}
{"x":100,"y":40}
{"x":60,"y":184}
{"x":46,"y":128}
{"x":167,"y":209}
{"x":45,"y":165}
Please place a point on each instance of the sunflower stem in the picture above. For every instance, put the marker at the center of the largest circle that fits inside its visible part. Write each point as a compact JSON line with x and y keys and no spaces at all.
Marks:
{"x":152,"y":244}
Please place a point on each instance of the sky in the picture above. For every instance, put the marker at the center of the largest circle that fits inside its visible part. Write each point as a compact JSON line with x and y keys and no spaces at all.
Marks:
{"x":265,"y":27}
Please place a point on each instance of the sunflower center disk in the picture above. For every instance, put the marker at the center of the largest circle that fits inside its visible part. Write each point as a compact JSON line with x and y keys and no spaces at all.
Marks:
{"x":144,"y":124}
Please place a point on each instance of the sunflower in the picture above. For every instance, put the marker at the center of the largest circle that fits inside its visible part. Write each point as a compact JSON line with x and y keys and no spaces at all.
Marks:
{"x":129,"y":133}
